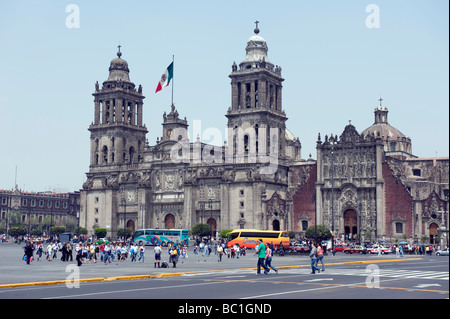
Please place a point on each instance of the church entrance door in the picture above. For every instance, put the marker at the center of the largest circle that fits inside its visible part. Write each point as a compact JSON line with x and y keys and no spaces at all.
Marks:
{"x":433,"y":233}
{"x":213,"y":224}
{"x":169,"y":221}
{"x":130,"y":225}
{"x":276,"y":224}
{"x":350,"y":224}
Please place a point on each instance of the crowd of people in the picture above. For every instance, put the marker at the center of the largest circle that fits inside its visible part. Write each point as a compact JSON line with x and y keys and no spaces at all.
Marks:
{"x":205,"y":249}
{"x":104,"y":252}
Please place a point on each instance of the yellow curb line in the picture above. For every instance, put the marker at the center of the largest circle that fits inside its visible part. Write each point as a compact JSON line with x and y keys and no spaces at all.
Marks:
{"x":143,"y":276}
{"x":58,"y":282}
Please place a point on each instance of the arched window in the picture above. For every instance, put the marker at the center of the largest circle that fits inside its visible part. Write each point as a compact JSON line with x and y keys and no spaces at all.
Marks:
{"x":105,"y":154}
{"x":131,"y":153}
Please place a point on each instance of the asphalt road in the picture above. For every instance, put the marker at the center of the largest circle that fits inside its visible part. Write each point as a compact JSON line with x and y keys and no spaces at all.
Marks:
{"x":201,"y":281}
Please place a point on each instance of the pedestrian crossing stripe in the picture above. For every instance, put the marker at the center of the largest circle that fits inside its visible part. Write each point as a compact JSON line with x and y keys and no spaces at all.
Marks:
{"x":440,"y":275}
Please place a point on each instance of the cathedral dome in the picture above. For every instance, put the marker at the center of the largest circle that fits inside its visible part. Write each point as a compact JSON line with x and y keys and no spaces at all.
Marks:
{"x":256,"y":38}
{"x":256,"y":47}
{"x":381,"y":127}
{"x":395,"y":142}
{"x":384,"y":130}
{"x":118,"y":69}
{"x":289,"y":136}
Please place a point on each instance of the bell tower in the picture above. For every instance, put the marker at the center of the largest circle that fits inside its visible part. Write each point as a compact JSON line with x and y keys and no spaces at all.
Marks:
{"x":256,"y":100}
{"x":117,"y":133}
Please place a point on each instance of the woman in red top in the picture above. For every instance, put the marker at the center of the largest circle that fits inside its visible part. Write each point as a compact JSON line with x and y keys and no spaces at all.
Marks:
{"x":320,"y":256}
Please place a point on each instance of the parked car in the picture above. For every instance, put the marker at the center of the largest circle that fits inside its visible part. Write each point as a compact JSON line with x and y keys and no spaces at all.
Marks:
{"x":338,"y":247}
{"x":442,"y":252}
{"x":374,"y":250}
{"x":355,"y":250}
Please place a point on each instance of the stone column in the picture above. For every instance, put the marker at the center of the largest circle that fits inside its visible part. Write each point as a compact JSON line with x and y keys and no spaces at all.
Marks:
{"x":97,"y":112}
{"x":139,"y":114}
{"x":118,"y":110}
{"x":381,"y":210}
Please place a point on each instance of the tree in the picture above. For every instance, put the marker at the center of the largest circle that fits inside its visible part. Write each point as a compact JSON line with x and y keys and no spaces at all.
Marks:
{"x":100,"y":232}
{"x":201,"y":230}
{"x":17,"y":231}
{"x":224,"y":233}
{"x":57,"y":230}
{"x":123,"y":232}
{"x":37,"y":231}
{"x":323,"y":233}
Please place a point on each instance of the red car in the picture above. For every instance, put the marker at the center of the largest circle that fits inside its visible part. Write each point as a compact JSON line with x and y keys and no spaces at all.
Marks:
{"x":339,"y":247}
{"x":355,"y":250}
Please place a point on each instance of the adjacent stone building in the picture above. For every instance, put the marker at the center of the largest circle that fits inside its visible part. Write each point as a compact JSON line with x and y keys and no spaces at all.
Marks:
{"x":366,"y":184}
{"x":39,"y":209}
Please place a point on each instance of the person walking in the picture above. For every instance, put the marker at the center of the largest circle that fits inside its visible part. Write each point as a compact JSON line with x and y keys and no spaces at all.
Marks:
{"x":174,"y":255}
{"x":39,"y":252}
{"x":157,"y":251}
{"x":142,"y":253}
{"x":28,"y":252}
{"x":320,"y":256}
{"x":261,"y":252}
{"x":312,"y":256}
{"x":220,"y":252}
{"x":102,"y":251}
{"x":69,"y":251}
{"x":107,"y":252}
{"x":49,"y":252}
{"x":268,"y":258}
{"x":79,"y":252}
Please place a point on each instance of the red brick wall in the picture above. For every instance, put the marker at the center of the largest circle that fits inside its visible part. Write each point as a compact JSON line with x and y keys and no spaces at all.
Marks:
{"x":303,"y":200}
{"x":398,"y":204}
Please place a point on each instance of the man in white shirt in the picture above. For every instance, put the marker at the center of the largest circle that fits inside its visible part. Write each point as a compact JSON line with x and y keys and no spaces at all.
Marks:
{"x":157,"y":251}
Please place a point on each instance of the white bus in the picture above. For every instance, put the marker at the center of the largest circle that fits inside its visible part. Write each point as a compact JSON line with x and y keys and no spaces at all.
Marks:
{"x":162,"y":237}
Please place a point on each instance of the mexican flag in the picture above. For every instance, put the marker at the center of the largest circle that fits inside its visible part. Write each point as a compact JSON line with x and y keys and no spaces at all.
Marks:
{"x":165,"y":78}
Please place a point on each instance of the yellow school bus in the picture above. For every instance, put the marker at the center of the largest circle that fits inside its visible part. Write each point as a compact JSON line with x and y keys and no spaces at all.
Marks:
{"x":249,"y":237}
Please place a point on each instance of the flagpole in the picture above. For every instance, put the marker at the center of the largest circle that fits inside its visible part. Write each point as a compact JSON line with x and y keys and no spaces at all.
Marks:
{"x":173,"y":60}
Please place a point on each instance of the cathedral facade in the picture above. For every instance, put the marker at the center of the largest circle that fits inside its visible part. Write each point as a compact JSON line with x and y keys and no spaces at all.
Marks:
{"x":362,"y":184}
{"x":178,"y":183}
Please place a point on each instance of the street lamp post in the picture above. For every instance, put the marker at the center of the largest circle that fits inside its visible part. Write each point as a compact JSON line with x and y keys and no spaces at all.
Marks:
{"x":332,"y":142}
{"x":210,"y":217}
{"x":51,"y":218}
{"x":202,"y":210}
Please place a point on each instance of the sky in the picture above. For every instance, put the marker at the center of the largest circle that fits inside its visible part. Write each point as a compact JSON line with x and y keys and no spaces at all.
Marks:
{"x":337,"y":57}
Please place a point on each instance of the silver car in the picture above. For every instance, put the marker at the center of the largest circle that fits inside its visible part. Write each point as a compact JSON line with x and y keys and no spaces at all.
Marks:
{"x":442,"y":252}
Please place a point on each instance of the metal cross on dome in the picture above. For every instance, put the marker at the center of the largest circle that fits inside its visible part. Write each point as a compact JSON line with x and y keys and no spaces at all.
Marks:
{"x":256,"y":29}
